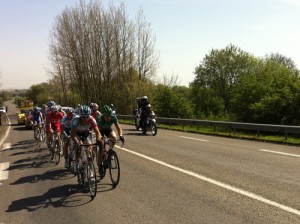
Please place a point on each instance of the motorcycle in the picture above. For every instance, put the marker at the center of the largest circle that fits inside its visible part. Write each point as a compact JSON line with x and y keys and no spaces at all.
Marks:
{"x":137,"y":118}
{"x":149,"y":124}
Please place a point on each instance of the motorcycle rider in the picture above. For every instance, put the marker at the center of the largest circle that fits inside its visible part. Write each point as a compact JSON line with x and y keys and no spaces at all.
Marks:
{"x":144,"y":109}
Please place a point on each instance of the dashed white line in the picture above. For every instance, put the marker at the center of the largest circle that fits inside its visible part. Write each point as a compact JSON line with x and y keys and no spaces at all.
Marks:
{"x":6,"y":133}
{"x":281,"y":153}
{"x":4,"y":170}
{"x":196,"y":139}
{"x":6,"y":146}
{"x":217,"y":183}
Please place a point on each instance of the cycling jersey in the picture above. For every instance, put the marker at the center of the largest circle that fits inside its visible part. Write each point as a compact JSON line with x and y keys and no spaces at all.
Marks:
{"x":54,"y":120}
{"x":67,"y":123}
{"x":95,"y":114}
{"x":83,"y":128}
{"x":103,"y":124}
{"x":36,"y":117}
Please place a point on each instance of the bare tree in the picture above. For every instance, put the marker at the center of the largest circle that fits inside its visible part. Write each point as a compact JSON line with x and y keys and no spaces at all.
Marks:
{"x":98,"y":54}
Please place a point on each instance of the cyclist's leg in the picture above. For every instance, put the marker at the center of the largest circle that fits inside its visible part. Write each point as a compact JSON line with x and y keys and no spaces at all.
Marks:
{"x":102,"y":153}
{"x":65,"y":148}
{"x":50,"y":134}
{"x":113,"y":137}
{"x":34,"y":129}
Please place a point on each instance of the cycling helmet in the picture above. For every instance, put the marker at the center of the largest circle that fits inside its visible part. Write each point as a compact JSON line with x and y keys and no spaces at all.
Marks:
{"x":54,"y":108}
{"x":69,"y":110}
{"x":35,"y":108}
{"x":107,"y":111}
{"x":44,"y":106}
{"x":94,"y":106}
{"x":84,"y":111}
{"x":58,"y":107}
{"x":50,"y":104}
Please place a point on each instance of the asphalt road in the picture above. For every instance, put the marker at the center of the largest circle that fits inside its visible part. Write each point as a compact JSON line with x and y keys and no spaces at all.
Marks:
{"x":173,"y":177}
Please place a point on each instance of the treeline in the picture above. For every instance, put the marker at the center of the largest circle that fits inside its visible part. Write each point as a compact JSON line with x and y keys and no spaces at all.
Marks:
{"x":100,"y":55}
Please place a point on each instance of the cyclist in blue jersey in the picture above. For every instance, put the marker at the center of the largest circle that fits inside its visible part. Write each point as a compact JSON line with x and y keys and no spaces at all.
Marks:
{"x":37,"y":119}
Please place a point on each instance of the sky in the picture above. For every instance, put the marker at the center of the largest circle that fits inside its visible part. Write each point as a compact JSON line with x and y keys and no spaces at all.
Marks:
{"x":185,"y":31}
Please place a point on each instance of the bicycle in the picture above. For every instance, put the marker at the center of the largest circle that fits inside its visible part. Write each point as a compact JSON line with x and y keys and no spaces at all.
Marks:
{"x":86,"y":170}
{"x":70,"y":150}
{"x":39,"y":133}
{"x":55,"y":148}
{"x":111,"y":161}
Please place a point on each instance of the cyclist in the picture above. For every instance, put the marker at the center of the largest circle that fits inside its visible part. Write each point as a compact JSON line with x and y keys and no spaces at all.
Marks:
{"x":53,"y":123}
{"x":46,"y":112}
{"x":94,"y":110}
{"x":105,"y":122}
{"x":77,"y":109}
{"x":61,"y":110}
{"x":37,"y":119}
{"x":65,"y":126}
{"x":80,"y":132}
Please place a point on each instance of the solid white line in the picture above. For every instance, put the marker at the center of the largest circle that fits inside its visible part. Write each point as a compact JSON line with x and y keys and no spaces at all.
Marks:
{"x":4,"y":171}
{"x":6,"y":133}
{"x":218,"y":183}
{"x":281,"y":153}
{"x":196,"y":139}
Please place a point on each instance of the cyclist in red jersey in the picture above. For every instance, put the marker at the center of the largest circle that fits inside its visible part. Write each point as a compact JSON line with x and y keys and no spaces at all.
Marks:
{"x":94,"y":110}
{"x":53,"y":123}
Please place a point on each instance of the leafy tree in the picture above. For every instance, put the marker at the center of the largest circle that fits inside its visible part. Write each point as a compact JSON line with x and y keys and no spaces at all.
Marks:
{"x":39,"y":93}
{"x":216,"y":76}
{"x":6,"y":95}
{"x":277,"y":102}
{"x":168,"y":103}
{"x":267,"y":94}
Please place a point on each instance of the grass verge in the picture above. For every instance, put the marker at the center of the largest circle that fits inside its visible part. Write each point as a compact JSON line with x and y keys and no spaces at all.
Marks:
{"x":249,"y":135}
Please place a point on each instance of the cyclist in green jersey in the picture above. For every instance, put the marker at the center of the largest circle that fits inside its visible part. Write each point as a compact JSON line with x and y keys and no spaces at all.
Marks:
{"x":105,"y":122}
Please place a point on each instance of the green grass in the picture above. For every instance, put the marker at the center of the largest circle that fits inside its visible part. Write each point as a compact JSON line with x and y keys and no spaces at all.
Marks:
{"x":292,"y":140}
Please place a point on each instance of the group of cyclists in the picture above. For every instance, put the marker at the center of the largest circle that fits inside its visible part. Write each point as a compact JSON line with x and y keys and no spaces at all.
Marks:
{"x":77,"y":126}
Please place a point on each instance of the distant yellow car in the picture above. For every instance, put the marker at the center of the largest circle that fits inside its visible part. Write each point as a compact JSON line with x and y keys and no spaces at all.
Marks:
{"x":22,"y":116}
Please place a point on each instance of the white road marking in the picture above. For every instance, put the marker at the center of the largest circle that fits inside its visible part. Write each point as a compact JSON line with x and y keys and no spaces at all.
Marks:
{"x":217,"y":183}
{"x":6,"y":133}
{"x":4,"y":171}
{"x":6,"y":146}
{"x":196,"y":139}
{"x":281,"y":153}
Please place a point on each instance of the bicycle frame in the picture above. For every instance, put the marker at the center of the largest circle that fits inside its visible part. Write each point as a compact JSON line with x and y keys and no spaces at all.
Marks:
{"x":87,"y":172}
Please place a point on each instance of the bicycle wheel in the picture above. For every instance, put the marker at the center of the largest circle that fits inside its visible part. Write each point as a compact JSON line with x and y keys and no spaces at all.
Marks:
{"x":56,"y":152}
{"x":114,"y":167}
{"x":42,"y":135}
{"x":91,"y":178}
{"x":38,"y":136}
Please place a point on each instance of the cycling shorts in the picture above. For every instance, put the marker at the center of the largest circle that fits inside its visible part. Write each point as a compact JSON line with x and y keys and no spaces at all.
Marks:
{"x":106,"y":132}
{"x":85,"y":137}
{"x":55,"y":126}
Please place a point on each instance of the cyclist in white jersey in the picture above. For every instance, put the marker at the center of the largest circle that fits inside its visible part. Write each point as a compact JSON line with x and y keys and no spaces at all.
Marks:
{"x":81,"y":126}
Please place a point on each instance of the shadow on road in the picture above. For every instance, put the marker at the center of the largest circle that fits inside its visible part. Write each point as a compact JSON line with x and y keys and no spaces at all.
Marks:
{"x":62,"y":196}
